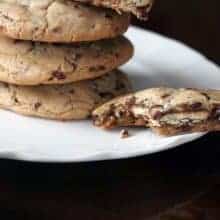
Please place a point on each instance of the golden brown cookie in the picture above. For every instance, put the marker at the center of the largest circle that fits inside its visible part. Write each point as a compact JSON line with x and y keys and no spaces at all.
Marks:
{"x":168,"y":111}
{"x":63,"y":102}
{"x":29,"y":63}
{"x":139,"y":8}
{"x":59,"y":21}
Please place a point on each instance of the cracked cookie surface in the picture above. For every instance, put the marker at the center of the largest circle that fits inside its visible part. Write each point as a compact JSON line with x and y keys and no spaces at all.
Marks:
{"x":31,"y":63}
{"x":168,"y":111}
{"x":139,"y":8}
{"x":63,"y":102}
{"x":59,"y":21}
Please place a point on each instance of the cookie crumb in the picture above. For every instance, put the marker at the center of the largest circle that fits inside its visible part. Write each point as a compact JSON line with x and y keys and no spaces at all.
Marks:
{"x":124,"y":134}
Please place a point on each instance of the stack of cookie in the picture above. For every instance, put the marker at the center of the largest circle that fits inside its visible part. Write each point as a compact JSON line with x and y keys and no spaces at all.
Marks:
{"x":58,"y":58}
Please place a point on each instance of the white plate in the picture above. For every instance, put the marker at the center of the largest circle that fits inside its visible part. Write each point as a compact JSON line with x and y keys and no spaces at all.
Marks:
{"x":158,"y":61}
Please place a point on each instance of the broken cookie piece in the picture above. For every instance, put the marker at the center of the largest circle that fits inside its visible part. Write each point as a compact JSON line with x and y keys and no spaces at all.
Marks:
{"x":167,"y":111}
{"x":140,"y":8}
{"x":124,"y":134}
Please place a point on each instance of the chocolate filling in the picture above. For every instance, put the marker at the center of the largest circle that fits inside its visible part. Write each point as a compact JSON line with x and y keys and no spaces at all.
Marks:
{"x":58,"y":75}
{"x":97,"y":68}
{"x":216,"y":113}
{"x":37,"y":105}
{"x":120,"y":115}
{"x":124,"y":114}
{"x":158,"y":114}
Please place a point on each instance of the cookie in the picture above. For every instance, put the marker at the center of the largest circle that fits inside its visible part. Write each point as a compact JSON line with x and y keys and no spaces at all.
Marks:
{"x":29,"y":63}
{"x":63,"y":102}
{"x":140,"y":8}
{"x":59,"y":21}
{"x":167,"y":111}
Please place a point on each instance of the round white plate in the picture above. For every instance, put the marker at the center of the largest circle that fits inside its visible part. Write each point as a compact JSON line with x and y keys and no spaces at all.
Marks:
{"x":157,"y":61}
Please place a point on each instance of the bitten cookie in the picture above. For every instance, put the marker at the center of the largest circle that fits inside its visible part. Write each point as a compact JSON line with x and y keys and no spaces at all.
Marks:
{"x":63,"y":102}
{"x":29,"y":63}
{"x":167,"y":111}
{"x":59,"y":21}
{"x":139,"y":8}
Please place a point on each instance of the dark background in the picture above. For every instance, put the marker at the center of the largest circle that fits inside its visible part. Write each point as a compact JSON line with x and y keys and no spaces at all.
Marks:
{"x":134,"y":188}
{"x":195,"y":22}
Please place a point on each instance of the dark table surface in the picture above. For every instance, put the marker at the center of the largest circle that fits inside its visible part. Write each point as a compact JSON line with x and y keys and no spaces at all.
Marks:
{"x":182,"y":184}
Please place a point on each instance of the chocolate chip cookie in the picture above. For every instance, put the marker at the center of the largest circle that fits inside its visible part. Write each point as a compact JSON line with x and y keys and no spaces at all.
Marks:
{"x":63,"y":102}
{"x":59,"y":21}
{"x":167,"y":111}
{"x":139,"y":8}
{"x":32,"y":63}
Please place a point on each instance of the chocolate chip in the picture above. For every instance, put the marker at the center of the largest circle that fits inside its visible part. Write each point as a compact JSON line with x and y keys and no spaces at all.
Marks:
{"x":59,"y":75}
{"x":156,"y":112}
{"x":18,"y":41}
{"x":206,"y":95}
{"x":101,"y":68}
{"x":92,"y":69}
{"x":93,"y":26}
{"x":184,"y":106}
{"x":157,"y":115}
{"x":37,"y":105}
{"x":97,"y":68}
{"x":72,"y":91}
{"x":119,"y":114}
{"x":117,"y":55}
{"x":165,"y":96}
{"x":111,"y":122}
{"x":185,"y":128}
{"x":57,"y":29}
{"x":76,"y":6}
{"x":5,"y":85}
{"x":124,"y":133}
{"x":7,"y":18}
{"x":196,"y":105}
{"x":78,"y":56}
{"x":217,"y":113}
{"x":116,"y":29}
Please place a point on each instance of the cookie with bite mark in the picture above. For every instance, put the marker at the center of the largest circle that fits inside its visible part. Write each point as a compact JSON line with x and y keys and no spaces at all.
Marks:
{"x":167,"y":111}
